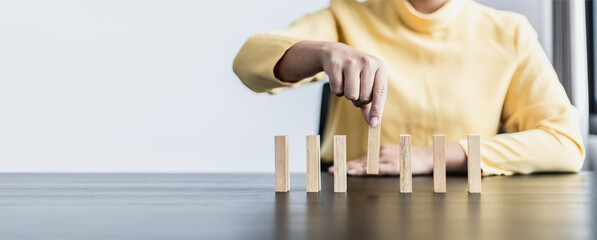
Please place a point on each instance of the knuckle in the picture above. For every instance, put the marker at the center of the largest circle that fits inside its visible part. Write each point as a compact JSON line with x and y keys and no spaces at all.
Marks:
{"x":381,"y":63}
{"x":380,"y":91}
{"x":334,"y":63}
{"x":367,"y":61}
{"x":351,"y":62}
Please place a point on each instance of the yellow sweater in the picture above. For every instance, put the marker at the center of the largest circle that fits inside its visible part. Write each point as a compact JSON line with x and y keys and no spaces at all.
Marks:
{"x":464,"y":69}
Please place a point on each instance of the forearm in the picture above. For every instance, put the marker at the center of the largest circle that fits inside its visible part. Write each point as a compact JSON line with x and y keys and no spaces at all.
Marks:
{"x":302,"y":60}
{"x":535,"y":150}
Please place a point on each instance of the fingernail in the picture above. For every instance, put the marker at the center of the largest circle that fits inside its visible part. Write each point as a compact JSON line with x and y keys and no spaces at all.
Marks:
{"x":352,"y":171}
{"x":374,"y":121}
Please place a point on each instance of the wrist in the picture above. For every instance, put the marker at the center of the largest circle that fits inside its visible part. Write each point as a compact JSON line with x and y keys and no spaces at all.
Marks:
{"x":323,"y":51}
{"x":303,"y":59}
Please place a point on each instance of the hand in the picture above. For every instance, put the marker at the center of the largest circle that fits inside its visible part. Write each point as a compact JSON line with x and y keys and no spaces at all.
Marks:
{"x":353,"y":74}
{"x":421,"y":157}
{"x":358,"y":77}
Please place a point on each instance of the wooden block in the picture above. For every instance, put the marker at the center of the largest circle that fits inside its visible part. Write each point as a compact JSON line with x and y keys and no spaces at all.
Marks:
{"x":313,"y":164}
{"x":406,"y":177}
{"x":474,"y":163}
{"x":340,"y":163}
{"x":439,"y":163}
{"x":373,"y":149}
{"x":282,"y":174}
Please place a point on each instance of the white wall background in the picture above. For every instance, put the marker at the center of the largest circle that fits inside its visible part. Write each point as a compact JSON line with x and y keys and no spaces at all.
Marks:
{"x":138,"y":85}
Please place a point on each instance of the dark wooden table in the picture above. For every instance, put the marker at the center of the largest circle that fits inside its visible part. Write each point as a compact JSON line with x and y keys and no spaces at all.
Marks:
{"x":244,"y":206}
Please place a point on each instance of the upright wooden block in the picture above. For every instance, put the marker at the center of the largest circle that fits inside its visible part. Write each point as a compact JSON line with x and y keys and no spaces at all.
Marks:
{"x":340,"y":163}
{"x":439,"y":163}
{"x":313,"y":164}
{"x":373,"y":149}
{"x":406,"y":177}
{"x":282,"y":174}
{"x":474,"y":163}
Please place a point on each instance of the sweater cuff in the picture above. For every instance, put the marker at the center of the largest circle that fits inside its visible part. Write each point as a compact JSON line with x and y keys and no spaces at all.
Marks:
{"x":485,"y":169}
{"x":272,"y":51}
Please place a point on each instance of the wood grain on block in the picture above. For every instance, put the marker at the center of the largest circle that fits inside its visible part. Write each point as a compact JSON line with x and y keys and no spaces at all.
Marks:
{"x":340,"y":163}
{"x":313,"y":164}
{"x":282,"y":174}
{"x":406,"y":185}
{"x":373,"y":149}
{"x":474,"y":163}
{"x":439,"y":163}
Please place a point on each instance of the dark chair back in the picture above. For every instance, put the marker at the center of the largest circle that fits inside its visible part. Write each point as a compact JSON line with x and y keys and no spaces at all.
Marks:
{"x":325,"y":105}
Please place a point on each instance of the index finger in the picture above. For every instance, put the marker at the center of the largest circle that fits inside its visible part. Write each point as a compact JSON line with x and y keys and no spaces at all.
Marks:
{"x":379,"y":96}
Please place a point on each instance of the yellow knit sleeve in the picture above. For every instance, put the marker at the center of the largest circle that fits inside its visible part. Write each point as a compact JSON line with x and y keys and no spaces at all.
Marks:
{"x":544,"y":133}
{"x":255,"y":62}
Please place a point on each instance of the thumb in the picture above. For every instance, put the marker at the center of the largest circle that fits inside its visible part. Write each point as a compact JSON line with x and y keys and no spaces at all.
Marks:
{"x":365,"y":109}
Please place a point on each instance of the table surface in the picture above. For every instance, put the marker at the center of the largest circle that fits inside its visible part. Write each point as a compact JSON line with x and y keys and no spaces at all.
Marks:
{"x":245,"y":206}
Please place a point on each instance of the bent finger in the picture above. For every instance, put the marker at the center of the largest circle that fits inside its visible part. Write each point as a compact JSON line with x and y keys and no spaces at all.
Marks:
{"x":367,"y":81}
{"x":356,"y":171}
{"x":356,"y":162}
{"x":351,"y":83}
{"x":389,"y":169}
{"x":365,"y":112}
{"x":334,"y":73}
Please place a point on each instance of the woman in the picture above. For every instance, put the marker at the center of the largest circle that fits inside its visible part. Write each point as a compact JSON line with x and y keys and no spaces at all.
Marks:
{"x":432,"y":66}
